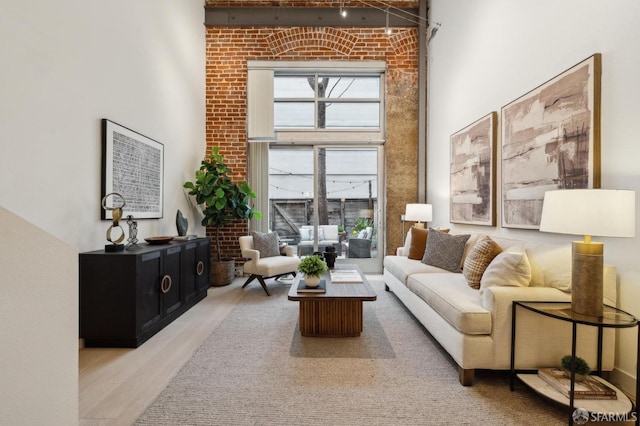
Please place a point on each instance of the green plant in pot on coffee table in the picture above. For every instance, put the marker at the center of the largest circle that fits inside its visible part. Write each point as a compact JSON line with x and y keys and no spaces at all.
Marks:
{"x":222,"y":201}
{"x":312,"y":267}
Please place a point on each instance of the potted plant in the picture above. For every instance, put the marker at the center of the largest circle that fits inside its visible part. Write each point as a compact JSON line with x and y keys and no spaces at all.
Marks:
{"x":222,"y":201}
{"x":359,"y":224}
{"x":582,"y":369}
{"x":312,"y":267}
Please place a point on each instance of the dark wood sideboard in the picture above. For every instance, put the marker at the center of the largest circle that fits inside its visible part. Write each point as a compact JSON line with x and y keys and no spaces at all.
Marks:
{"x":126,"y":297}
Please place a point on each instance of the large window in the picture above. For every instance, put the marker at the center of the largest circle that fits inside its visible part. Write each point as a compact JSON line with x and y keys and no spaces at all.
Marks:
{"x":326,"y":191}
{"x":316,"y":101}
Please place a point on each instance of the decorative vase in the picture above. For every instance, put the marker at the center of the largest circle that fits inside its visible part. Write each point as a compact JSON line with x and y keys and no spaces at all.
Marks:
{"x":330,"y":257}
{"x":311,"y":280}
{"x":181,"y":224}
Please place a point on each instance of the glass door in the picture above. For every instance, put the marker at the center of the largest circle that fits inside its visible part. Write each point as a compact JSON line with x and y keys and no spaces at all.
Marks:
{"x":325,"y":198}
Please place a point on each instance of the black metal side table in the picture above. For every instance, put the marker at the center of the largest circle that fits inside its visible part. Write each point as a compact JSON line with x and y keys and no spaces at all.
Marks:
{"x":611,"y":318}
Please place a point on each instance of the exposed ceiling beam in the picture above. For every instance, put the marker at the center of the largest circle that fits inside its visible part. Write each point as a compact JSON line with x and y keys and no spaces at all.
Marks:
{"x":308,"y":17}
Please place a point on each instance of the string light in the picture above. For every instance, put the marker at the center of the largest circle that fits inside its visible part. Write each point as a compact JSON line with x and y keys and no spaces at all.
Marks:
{"x":387,"y":29}
{"x":403,"y":14}
{"x":343,"y":11}
{"x":328,"y":192}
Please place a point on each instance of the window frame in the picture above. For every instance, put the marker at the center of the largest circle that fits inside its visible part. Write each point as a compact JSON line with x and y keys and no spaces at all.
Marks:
{"x":346,"y":135}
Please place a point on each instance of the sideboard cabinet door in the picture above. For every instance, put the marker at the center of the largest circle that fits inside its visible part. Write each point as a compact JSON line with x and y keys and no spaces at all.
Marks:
{"x":127,"y":297}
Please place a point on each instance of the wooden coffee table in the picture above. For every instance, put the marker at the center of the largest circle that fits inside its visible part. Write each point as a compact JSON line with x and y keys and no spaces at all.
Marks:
{"x":338,"y":311}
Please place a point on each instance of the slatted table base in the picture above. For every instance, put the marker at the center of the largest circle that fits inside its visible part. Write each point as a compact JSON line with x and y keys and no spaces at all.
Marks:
{"x":331,"y":318}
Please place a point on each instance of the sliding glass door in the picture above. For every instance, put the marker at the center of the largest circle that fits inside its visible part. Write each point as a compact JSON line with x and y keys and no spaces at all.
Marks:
{"x":324,"y":197}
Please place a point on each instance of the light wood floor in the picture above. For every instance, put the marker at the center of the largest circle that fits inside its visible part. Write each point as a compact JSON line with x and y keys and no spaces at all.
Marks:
{"x":116,"y":385}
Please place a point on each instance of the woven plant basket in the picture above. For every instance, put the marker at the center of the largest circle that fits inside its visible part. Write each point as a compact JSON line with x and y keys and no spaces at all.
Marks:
{"x":222,"y":272}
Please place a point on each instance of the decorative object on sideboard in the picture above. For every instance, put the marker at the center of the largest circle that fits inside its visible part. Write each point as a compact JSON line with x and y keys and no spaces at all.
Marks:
{"x":222,"y":201}
{"x":182,"y":224}
{"x":418,"y":213}
{"x":159,"y":240}
{"x":600,"y":212}
{"x":133,"y":234}
{"x":117,"y":204}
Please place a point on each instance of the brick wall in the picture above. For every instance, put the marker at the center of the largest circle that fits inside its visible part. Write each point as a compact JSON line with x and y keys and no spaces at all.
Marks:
{"x":229,"y":48}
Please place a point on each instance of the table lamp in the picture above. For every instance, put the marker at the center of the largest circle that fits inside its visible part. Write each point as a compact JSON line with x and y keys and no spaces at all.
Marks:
{"x":418,"y":213}
{"x":599,"y":212}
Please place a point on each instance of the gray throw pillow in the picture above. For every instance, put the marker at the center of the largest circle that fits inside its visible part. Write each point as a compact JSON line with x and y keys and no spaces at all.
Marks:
{"x":445,"y":250}
{"x":266,"y":244}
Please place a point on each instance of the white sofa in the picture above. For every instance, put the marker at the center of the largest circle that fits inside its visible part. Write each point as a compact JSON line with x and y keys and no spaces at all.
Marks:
{"x":474,"y":325}
{"x":327,"y":236}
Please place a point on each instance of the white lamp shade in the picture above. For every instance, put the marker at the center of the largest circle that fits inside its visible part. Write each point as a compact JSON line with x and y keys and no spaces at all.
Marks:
{"x":599,"y":212}
{"x":418,"y":213}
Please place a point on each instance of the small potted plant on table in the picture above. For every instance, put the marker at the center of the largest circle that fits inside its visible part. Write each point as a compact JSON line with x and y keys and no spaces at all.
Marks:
{"x":312,"y":267}
{"x":582,"y":369}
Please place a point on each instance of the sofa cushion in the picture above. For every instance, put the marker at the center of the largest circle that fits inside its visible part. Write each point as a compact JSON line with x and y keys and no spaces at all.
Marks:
{"x":401,"y":267}
{"x":483,"y":252}
{"x":330,"y":232}
{"x":450,"y":296}
{"x":418,"y":243}
{"x":509,"y":268}
{"x":445,"y":250}
{"x":305,"y":234}
{"x":550,"y":265}
{"x":266,"y":243}
{"x":407,"y":245}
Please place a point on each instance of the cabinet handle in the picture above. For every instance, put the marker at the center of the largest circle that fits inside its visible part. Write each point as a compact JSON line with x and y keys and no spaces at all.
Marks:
{"x":165,"y":284}
{"x":200,"y":267}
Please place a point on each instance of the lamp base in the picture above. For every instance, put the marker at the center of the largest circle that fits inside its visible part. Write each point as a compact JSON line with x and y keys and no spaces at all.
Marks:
{"x":586,"y":278}
{"x":418,"y":225}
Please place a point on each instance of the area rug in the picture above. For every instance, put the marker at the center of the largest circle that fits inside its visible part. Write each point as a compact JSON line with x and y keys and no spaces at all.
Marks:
{"x":372,"y":342}
{"x":255,"y":369}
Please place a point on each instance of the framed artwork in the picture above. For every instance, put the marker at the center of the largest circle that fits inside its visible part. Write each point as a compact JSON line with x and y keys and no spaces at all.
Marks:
{"x":550,"y":140}
{"x":132,"y":166}
{"x":472,"y":176}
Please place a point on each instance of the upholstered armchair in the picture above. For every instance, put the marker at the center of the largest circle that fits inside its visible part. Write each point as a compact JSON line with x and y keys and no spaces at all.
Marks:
{"x":264,"y":260}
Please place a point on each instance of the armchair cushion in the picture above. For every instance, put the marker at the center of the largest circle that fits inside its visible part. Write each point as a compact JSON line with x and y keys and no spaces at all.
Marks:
{"x":266,"y":243}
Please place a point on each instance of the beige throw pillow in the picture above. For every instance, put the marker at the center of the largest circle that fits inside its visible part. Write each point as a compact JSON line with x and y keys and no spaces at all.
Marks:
{"x":482,"y":253}
{"x":509,"y":268}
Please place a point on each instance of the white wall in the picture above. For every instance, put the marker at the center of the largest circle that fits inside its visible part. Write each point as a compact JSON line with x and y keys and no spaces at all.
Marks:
{"x":66,"y":65}
{"x":489,"y":52}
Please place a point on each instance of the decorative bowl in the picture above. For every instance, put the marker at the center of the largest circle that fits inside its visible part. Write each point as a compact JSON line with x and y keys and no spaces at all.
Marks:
{"x":158,"y":240}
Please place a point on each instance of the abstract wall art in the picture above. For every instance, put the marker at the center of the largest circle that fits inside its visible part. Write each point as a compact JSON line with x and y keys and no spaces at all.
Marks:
{"x":550,"y":140}
{"x":132,"y":166}
{"x":472,"y":177}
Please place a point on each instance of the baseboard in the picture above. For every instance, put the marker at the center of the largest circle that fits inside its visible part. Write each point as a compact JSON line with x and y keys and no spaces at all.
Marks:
{"x":625,"y":381}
